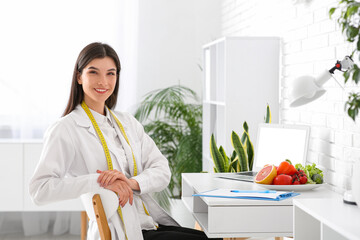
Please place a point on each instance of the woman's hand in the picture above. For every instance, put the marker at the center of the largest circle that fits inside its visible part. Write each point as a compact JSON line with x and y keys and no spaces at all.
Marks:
{"x":123,"y":191}
{"x":110,"y":176}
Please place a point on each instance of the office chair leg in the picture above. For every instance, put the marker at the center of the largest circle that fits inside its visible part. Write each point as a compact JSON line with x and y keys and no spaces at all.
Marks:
{"x":197,"y":226}
{"x":84,"y":219}
{"x":101,"y":219}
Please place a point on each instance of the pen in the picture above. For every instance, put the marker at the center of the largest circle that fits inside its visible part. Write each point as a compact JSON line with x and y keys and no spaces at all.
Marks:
{"x":250,"y":191}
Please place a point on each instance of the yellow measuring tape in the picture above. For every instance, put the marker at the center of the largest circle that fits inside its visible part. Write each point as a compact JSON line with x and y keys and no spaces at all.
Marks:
{"x":106,"y":149}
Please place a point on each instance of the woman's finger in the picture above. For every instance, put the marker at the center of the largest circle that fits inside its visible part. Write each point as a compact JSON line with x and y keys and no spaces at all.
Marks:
{"x":108,"y":177}
{"x":123,"y":195}
{"x":115,"y":188}
{"x":131,"y":195}
{"x":114,"y":178}
{"x":103,"y":177}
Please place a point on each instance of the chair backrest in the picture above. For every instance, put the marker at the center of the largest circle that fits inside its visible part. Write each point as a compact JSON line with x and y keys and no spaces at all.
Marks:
{"x":100,"y":206}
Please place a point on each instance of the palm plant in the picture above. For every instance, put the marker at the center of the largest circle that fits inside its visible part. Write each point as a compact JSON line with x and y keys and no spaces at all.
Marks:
{"x":176,"y":127}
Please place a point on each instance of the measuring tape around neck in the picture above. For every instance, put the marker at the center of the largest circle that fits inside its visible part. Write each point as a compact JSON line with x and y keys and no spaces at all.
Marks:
{"x":106,"y":149}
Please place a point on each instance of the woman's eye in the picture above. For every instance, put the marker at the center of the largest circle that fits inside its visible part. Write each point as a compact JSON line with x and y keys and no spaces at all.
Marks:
{"x":92,"y":72}
{"x":111,"y":73}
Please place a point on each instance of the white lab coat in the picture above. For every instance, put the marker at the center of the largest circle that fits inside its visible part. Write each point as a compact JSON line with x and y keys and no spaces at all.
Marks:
{"x":72,"y":153}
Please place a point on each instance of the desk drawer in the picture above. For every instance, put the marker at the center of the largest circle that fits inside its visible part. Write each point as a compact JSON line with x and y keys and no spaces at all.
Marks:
{"x":256,"y":219}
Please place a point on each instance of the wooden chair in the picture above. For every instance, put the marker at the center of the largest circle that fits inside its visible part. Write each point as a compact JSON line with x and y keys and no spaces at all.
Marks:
{"x":99,"y":206}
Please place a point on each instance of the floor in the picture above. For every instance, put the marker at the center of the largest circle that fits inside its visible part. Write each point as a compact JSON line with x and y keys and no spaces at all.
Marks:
{"x":20,"y":236}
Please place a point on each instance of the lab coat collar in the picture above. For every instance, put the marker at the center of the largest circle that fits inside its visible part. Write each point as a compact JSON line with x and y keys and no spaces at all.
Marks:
{"x":81,"y":118}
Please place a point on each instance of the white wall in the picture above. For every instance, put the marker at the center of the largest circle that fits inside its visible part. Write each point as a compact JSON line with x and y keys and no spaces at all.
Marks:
{"x":171,"y":35}
{"x":311,"y":42}
{"x":40,"y":41}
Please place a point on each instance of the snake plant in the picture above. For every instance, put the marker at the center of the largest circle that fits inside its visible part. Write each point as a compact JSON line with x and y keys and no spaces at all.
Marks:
{"x":242,"y":158}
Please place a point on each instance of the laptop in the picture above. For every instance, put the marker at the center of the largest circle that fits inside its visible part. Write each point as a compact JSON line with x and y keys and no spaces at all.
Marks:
{"x":276,"y":143}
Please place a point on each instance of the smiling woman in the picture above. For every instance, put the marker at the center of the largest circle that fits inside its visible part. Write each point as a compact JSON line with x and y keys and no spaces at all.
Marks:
{"x":126,"y":160}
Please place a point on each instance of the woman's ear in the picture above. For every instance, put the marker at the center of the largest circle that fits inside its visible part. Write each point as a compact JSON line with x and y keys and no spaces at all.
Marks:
{"x":78,"y":77}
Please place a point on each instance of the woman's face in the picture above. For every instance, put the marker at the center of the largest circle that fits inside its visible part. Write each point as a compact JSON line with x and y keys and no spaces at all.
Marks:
{"x":98,"y":80}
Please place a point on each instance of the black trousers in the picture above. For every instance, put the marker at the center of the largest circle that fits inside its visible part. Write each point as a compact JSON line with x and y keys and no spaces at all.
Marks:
{"x":174,"y":233}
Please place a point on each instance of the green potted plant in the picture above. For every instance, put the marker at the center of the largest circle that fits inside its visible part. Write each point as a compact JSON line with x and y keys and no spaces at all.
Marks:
{"x":173,"y":119}
{"x":242,"y":158}
{"x":349,"y":22}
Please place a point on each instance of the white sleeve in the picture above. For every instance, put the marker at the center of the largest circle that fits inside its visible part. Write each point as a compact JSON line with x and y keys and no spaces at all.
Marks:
{"x":156,"y":172}
{"x":49,"y":183}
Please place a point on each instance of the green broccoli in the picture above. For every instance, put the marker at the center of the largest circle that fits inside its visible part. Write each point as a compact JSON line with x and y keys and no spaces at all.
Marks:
{"x":317,"y":178}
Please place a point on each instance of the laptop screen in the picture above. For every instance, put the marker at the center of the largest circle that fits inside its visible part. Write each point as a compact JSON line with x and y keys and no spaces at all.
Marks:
{"x":277,"y":142}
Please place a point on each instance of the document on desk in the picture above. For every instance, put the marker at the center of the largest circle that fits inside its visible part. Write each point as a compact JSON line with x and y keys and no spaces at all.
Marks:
{"x":248,"y":194}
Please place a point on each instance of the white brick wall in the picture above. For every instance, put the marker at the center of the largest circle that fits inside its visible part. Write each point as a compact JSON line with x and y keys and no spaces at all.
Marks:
{"x":311,"y":43}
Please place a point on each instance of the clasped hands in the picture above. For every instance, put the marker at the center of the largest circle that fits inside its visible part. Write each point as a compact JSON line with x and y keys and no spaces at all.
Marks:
{"x":117,"y":182}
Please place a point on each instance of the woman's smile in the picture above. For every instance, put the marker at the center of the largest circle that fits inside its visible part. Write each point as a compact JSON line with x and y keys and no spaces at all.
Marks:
{"x":101,"y":90}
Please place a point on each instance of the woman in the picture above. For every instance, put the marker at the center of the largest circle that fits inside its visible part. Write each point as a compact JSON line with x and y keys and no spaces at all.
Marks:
{"x":91,"y":148}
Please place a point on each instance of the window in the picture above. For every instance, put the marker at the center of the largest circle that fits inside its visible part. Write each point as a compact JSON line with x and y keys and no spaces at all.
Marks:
{"x":40,"y":41}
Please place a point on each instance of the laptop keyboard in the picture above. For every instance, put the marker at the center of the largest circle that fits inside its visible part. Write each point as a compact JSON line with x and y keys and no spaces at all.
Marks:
{"x":247,"y":173}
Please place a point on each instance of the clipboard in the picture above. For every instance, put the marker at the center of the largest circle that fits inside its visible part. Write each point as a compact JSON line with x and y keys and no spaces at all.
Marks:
{"x":248,"y":194}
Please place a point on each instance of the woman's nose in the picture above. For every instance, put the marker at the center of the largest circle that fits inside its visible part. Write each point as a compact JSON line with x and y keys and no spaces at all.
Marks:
{"x":102,"y":80}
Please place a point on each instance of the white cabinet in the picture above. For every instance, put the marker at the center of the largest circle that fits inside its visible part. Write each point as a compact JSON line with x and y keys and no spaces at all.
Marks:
{"x":331,"y":219}
{"x":11,"y":177}
{"x":17,"y":165}
{"x":241,"y":76}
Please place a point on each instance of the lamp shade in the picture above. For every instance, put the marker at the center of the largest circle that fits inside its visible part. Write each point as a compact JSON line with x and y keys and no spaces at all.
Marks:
{"x":306,"y":89}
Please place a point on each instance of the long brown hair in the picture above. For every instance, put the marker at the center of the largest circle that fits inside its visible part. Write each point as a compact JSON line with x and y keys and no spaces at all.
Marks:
{"x":90,"y":52}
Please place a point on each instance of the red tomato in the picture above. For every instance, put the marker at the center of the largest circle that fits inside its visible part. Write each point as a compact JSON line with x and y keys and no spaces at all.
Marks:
{"x":291,"y":170}
{"x":282,"y":180}
{"x":303,"y":179}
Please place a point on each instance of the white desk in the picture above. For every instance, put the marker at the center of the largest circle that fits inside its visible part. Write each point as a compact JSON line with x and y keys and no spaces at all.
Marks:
{"x":331,"y":219}
{"x":221,"y":217}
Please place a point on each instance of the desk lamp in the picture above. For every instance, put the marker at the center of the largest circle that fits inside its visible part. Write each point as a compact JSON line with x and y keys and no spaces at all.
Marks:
{"x":306,"y":89}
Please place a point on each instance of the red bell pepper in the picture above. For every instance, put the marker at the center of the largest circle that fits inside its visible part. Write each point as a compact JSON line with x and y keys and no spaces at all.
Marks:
{"x":286,"y":167}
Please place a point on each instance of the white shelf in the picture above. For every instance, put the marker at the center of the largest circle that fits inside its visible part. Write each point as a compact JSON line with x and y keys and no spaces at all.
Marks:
{"x":214,"y":102}
{"x":241,"y":76}
{"x":328,"y":220}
